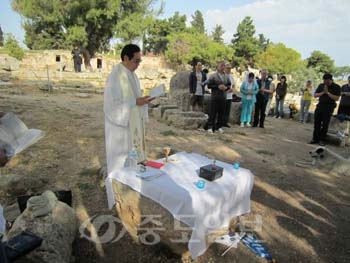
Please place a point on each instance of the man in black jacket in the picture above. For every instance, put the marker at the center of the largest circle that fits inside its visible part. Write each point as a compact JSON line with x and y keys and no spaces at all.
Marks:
{"x":328,"y":93}
{"x":218,"y":83}
{"x":262,"y":97}
{"x":197,"y":84}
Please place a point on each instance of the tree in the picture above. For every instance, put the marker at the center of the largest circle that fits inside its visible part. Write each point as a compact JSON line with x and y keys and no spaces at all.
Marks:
{"x":301,"y":75}
{"x":245,"y":45}
{"x":263,"y":42}
{"x":133,"y":24}
{"x":187,"y":47}
{"x":1,"y":38}
{"x":13,"y":48}
{"x":342,"y":72}
{"x":177,"y":22}
{"x":156,"y":37}
{"x":279,"y":59}
{"x":157,"y":32}
{"x":198,"y":22}
{"x":320,"y":62}
{"x":217,"y":34}
{"x":56,"y":24}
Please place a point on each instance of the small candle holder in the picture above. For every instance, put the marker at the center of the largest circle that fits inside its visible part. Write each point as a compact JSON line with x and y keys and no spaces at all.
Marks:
{"x":200,"y":184}
{"x":236,"y":165}
{"x":166,"y":151}
{"x":213,"y":167}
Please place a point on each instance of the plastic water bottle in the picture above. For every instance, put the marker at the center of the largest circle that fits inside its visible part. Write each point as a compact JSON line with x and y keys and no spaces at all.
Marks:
{"x":133,"y":158}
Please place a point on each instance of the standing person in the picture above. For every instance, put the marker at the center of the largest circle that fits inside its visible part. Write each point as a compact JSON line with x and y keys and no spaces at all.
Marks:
{"x":328,"y":93}
{"x":125,"y":111}
{"x":249,"y":89}
{"x":196,"y":83}
{"x":218,"y":83}
{"x":281,"y":91}
{"x":305,"y":102}
{"x":344,"y":104}
{"x":272,"y":87}
{"x":262,"y":98}
{"x":229,"y":94}
{"x":77,"y":59}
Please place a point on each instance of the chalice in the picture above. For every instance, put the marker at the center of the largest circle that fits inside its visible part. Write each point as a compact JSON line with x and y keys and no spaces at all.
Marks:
{"x":166,"y":151}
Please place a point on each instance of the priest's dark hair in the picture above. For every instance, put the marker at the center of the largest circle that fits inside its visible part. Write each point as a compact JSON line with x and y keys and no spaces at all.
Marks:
{"x":129,"y":50}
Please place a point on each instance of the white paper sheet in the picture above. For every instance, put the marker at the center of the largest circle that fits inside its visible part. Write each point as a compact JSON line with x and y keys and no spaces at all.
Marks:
{"x":149,"y":174}
{"x":15,"y":136}
{"x":157,"y":91}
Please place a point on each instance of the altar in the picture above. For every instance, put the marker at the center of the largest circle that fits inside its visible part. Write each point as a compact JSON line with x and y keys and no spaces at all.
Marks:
{"x":173,"y":207}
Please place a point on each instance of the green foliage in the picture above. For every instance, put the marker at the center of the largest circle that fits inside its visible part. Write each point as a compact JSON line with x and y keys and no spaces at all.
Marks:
{"x":279,"y":59}
{"x":156,"y":38}
{"x":245,"y":44}
{"x":198,"y":22}
{"x":60,"y":24}
{"x":185,"y":47}
{"x":301,"y":75}
{"x":342,"y":72}
{"x":263,"y":42}
{"x":77,"y":35}
{"x":320,"y":62}
{"x":217,"y":34}
{"x":1,"y":38}
{"x":177,"y":23}
{"x":13,"y":48}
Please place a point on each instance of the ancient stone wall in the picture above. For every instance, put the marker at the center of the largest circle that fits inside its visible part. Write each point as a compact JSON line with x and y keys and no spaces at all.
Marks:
{"x":57,"y":66}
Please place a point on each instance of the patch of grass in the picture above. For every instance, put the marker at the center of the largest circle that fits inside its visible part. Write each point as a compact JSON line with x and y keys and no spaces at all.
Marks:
{"x":265,"y":152}
{"x":225,"y":140}
{"x":85,"y":186}
{"x":25,"y":161}
{"x":240,"y":133}
{"x":168,"y":133}
{"x":89,"y":172}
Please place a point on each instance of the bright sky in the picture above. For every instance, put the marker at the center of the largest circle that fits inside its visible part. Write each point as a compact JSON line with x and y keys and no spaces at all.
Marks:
{"x":303,"y":25}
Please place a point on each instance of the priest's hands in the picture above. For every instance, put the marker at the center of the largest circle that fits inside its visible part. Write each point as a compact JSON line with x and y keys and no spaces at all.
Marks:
{"x":143,"y":100}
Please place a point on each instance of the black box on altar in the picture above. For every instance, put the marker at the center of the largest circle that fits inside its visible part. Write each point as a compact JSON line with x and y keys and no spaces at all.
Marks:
{"x":210,"y":172}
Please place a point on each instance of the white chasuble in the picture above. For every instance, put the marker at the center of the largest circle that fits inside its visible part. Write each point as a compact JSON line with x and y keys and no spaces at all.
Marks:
{"x":124,"y":120}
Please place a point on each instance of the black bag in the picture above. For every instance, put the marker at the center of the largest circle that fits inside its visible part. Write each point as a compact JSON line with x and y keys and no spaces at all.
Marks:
{"x":18,"y":246}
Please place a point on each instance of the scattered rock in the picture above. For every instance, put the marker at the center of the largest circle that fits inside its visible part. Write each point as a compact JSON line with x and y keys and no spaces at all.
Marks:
{"x":57,"y":229}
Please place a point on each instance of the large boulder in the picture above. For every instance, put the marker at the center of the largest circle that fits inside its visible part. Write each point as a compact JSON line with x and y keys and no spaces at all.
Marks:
{"x":8,"y":63}
{"x":187,"y":120}
{"x":179,"y":92}
{"x":57,"y":228}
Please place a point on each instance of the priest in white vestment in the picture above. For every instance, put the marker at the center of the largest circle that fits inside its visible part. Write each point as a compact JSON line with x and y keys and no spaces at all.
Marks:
{"x":125,"y":111}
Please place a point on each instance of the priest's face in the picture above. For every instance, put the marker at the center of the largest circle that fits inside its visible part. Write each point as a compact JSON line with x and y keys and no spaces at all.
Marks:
{"x":133,"y":63}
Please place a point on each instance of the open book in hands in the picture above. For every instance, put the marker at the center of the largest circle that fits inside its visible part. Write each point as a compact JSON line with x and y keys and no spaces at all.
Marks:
{"x":157,"y":91}
{"x":15,"y":135}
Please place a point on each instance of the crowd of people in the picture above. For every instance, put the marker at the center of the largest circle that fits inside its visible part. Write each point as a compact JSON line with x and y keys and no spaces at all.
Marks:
{"x":257,"y":93}
{"x":126,"y":108}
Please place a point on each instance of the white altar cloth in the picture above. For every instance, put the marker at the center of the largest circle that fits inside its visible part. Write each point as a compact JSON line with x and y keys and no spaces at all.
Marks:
{"x":204,"y":210}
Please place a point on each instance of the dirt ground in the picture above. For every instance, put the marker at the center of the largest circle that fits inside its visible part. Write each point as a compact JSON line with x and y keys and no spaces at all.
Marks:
{"x":305,"y":211}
